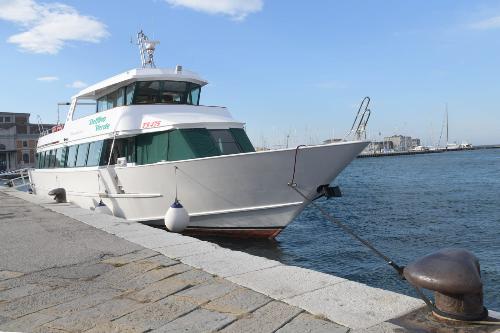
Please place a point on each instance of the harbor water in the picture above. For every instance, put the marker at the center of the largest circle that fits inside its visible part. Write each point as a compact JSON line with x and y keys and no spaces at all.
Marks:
{"x":407,"y":206}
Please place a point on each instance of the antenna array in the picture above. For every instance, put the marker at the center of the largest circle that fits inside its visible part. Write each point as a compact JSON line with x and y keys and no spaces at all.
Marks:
{"x":146,"y":49}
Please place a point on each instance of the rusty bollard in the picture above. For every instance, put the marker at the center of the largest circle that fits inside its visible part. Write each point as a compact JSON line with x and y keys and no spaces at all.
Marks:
{"x":59,"y":195}
{"x":454,"y":276}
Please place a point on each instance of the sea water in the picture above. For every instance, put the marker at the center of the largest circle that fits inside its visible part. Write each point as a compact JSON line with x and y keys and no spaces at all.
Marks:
{"x":407,"y":206}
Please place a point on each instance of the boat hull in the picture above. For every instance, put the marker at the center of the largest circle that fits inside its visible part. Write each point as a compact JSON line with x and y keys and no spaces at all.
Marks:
{"x":244,"y":195}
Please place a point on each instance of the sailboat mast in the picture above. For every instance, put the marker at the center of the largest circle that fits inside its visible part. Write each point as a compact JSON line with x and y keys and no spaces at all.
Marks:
{"x":447,"y":124}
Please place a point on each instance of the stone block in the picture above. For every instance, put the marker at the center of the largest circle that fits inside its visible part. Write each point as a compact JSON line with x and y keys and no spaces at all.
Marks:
{"x":194,"y":276}
{"x":226,"y":263}
{"x":161,"y":260}
{"x":81,"y":303}
{"x":114,"y":327}
{"x":126,"y":272}
{"x":188,"y":249}
{"x":79,"y":271}
{"x":159,"y":238}
{"x":199,"y":321}
{"x":305,"y":323}
{"x":157,"y":274}
{"x":130,"y":257}
{"x":26,"y":323}
{"x":355,"y":305}
{"x":238,"y":302}
{"x":22,"y":291}
{"x":159,"y":290}
{"x":205,"y":292}
{"x":4,"y":275}
{"x":88,"y":318}
{"x":156,"y":314}
{"x":33,"y":303}
{"x":285,"y":281}
{"x":268,"y":318}
{"x":37,"y":278}
{"x":383,"y":328}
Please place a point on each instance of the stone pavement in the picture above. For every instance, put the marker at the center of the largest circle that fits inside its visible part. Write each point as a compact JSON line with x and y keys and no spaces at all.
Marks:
{"x":60,"y":275}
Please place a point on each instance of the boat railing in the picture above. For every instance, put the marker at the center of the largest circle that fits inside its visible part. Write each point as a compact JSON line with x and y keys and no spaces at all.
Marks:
{"x":358,"y":128}
{"x":23,"y":178}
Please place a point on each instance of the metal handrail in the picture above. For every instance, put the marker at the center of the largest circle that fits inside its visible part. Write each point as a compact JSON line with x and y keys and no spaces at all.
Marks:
{"x":362,"y":116}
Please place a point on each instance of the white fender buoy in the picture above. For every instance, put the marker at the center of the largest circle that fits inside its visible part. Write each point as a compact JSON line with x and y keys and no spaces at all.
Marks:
{"x":176,"y":218}
{"x":101,"y":208}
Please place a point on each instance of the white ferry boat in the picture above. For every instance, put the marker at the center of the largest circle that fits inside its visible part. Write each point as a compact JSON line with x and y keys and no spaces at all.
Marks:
{"x":149,"y":135}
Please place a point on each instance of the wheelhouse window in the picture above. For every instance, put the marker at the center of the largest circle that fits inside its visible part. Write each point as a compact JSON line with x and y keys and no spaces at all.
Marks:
{"x":151,"y":92}
{"x":166,"y":92}
{"x":129,"y":93}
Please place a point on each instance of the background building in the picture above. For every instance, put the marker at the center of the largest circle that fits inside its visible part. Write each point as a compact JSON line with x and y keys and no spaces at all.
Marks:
{"x":18,"y":139}
{"x":400,"y":142}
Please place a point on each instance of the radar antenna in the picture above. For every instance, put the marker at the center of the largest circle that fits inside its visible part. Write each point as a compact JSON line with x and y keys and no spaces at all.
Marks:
{"x":146,"y":49}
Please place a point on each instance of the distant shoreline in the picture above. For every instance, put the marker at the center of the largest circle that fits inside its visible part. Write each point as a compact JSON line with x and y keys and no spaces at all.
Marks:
{"x":402,"y":153}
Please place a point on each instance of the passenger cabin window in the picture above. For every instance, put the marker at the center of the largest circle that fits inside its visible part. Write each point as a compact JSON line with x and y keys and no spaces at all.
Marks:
{"x":148,"y":148}
{"x":71,"y":159}
{"x":94,"y":156}
{"x":225,"y":141}
{"x":81,"y":157}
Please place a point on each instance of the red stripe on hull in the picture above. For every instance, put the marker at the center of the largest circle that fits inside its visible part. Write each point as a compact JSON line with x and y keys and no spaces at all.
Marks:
{"x":235,"y":233}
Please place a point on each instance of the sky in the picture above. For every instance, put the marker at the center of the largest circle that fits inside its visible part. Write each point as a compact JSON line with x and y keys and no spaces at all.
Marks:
{"x":291,"y":70}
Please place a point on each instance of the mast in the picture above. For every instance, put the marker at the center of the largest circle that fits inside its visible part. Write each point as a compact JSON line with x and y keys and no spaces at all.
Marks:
{"x":446,"y":125}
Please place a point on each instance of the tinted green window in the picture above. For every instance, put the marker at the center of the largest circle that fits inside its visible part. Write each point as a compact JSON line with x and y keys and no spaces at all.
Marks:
{"x":72,"y":152}
{"x":41,"y":158}
{"x":81,"y":157}
{"x":225,"y":142}
{"x":52,"y":162}
{"x":151,"y":147}
{"x":48,"y":158}
{"x":201,"y":142}
{"x":178,"y":148}
{"x":94,"y":155}
{"x":242,"y":140}
{"x":60,"y":157}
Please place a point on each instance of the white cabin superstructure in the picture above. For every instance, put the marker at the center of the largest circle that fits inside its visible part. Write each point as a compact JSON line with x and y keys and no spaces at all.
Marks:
{"x":147,"y":135}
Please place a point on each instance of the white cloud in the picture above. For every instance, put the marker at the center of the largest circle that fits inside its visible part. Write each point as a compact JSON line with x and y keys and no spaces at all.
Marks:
{"x":489,"y":23}
{"x":47,"y":27}
{"x":77,"y":84}
{"x":236,"y":9}
{"x":47,"y":78}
